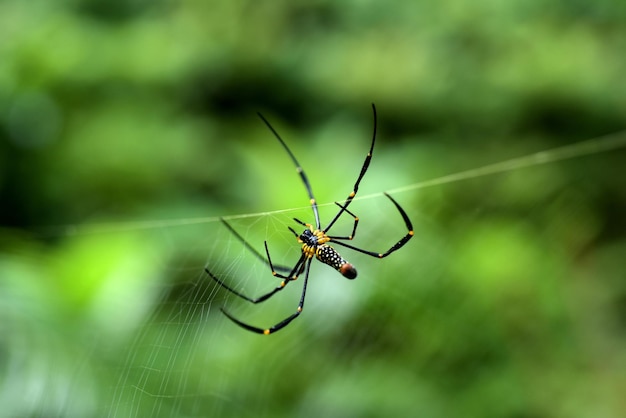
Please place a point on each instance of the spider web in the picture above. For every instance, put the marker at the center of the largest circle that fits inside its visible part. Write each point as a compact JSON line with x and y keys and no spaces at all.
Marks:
{"x":176,"y":355}
{"x":509,"y":301}
{"x":162,"y":347}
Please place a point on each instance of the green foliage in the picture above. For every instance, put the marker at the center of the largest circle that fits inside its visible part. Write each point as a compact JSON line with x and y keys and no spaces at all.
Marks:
{"x":508,"y":302}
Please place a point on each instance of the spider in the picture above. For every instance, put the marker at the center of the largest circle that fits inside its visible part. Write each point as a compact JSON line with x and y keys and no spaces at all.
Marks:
{"x":314,"y":240}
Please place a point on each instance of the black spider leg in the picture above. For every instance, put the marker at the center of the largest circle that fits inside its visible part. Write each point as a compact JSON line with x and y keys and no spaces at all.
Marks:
{"x":394,"y":247}
{"x":355,"y":189}
{"x":250,"y":248}
{"x":356,"y":223}
{"x":282,"y":324}
{"x":293,"y":275}
{"x":300,"y":171}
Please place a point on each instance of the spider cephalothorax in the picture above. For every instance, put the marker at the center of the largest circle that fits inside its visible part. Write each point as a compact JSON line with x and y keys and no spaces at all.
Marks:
{"x":314,"y":241}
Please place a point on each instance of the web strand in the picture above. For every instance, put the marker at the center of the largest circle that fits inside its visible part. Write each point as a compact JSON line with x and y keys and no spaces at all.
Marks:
{"x":589,"y":147}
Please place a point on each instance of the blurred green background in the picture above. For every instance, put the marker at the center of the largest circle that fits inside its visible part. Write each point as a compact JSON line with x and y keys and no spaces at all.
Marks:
{"x":510,"y":301}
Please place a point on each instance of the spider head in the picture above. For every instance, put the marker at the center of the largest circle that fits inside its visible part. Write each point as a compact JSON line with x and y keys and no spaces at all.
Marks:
{"x":308,"y":238}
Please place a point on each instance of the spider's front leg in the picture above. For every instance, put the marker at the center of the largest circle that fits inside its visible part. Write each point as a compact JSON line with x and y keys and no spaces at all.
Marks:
{"x":356,"y":223}
{"x":394,"y":247}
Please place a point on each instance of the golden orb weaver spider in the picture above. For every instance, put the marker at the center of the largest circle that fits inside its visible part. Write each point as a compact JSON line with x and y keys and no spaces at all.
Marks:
{"x":314,"y":242}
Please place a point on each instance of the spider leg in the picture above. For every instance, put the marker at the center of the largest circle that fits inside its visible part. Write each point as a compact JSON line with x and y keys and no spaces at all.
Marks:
{"x":300,"y":171}
{"x":356,"y":223}
{"x":394,"y":247}
{"x":251,"y":248}
{"x":355,"y":189}
{"x":297,"y":269}
{"x":293,"y":275}
{"x":282,"y":324}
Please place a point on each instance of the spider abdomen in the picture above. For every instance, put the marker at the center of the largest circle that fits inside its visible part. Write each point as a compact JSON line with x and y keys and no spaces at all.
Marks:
{"x":328,"y":255}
